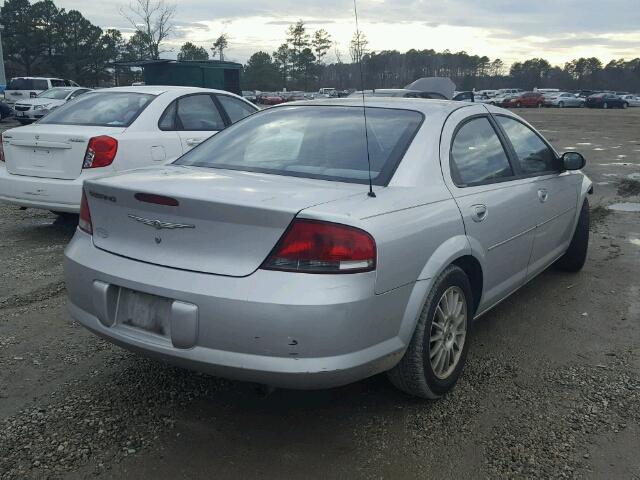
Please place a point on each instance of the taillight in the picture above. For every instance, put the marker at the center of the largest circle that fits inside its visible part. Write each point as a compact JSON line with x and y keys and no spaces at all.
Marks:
{"x":311,"y":246}
{"x":100,"y":152}
{"x":1,"y":149}
{"x":84,"y":222}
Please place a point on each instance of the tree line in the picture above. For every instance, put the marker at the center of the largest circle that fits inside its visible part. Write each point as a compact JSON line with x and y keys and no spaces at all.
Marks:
{"x":42,"y":39}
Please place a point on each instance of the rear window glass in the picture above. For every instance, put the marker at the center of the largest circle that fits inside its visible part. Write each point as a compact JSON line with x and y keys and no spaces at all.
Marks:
{"x":55,"y":93}
{"x":27,"y":84}
{"x":326,"y":142}
{"x":115,"y":109}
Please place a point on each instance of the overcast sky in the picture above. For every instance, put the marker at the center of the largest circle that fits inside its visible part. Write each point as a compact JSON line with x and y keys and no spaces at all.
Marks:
{"x":558,"y":30}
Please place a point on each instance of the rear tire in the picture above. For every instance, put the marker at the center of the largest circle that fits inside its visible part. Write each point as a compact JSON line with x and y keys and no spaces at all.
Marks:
{"x":576,"y":255}
{"x":605,"y":105}
{"x":561,"y":105}
{"x":518,"y":105}
{"x":415,"y":374}
{"x":625,"y":105}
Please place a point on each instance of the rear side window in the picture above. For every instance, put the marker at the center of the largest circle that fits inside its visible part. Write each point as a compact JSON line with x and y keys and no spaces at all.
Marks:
{"x":58,"y":83}
{"x":27,"y":84}
{"x":236,"y":109}
{"x":199,"y":113}
{"x":477,"y":155}
{"x":326,"y":142}
{"x":533,"y":155}
{"x":114,"y":109}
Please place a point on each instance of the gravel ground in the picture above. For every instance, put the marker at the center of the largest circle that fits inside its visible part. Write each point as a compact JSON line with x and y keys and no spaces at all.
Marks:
{"x":551,"y":389}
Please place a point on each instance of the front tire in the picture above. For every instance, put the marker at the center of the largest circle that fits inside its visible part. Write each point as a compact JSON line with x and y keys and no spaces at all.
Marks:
{"x":561,"y":105}
{"x":625,"y":105}
{"x":437,"y":352}
{"x":576,"y":255}
{"x":605,"y":105}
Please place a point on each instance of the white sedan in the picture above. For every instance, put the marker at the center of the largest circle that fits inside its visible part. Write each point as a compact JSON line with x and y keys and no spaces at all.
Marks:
{"x":32,"y":109}
{"x":106,"y":131}
{"x":632,"y":100}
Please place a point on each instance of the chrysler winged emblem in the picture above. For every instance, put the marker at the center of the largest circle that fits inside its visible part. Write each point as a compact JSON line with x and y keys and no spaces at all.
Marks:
{"x":158,"y":224}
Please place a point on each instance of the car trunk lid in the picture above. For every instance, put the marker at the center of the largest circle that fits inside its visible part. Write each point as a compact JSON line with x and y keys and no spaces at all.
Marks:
{"x":206,"y":220}
{"x":50,"y":151}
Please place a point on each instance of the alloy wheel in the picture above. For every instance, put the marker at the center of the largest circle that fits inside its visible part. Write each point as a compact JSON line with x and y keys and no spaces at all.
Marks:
{"x":448,"y":332}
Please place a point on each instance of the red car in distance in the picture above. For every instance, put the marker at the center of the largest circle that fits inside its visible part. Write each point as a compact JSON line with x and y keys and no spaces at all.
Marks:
{"x":526,"y":99}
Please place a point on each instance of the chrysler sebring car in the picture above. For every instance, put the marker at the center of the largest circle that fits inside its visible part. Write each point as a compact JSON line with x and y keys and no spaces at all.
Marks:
{"x":105,"y":131}
{"x":293,"y":250}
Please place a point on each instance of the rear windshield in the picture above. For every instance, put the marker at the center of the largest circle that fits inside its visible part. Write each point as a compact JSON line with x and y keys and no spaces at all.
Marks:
{"x":27,"y":84}
{"x":55,"y":93}
{"x":325,"y":142}
{"x":103,"y":109}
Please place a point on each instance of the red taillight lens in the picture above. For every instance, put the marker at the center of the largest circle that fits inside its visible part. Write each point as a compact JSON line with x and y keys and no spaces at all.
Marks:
{"x":84,"y":222}
{"x":311,"y":246}
{"x":100,"y":152}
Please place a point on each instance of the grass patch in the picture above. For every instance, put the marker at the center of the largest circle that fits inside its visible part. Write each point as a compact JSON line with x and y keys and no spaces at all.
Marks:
{"x":628,"y":187}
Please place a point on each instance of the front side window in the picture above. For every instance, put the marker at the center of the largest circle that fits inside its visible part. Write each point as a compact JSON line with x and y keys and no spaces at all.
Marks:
{"x":114,"y":109}
{"x":533,"y":155}
{"x":199,"y":113}
{"x":236,"y":109}
{"x":57,"y":83}
{"x":326,"y":142}
{"x":477,"y":155}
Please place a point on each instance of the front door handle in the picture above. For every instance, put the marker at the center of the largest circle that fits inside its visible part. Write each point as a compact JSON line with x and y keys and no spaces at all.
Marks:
{"x":543,"y":195}
{"x":479,"y":213}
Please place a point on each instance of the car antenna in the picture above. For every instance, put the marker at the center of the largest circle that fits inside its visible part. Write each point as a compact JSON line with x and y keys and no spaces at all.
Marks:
{"x":364,"y":106}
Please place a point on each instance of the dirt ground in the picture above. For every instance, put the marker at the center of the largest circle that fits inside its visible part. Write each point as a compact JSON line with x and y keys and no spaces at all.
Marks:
{"x":551,"y":388}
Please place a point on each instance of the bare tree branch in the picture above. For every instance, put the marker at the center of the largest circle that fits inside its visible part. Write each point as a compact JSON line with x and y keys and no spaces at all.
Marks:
{"x":153,"y":19}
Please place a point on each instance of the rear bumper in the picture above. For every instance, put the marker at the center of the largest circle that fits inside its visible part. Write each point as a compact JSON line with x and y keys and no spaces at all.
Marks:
{"x":281,"y":329}
{"x":37,"y":192}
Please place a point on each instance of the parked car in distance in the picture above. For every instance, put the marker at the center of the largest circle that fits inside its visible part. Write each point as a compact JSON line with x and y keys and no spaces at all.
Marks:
{"x":270,"y":99}
{"x":509,"y":91}
{"x":526,"y":99}
{"x":501,"y":100}
{"x":606,"y":100}
{"x":249,"y":96}
{"x":32,"y":109}
{"x":106,"y":131}
{"x":562,"y":100}
{"x":488,"y":93}
{"x":262,"y":255}
{"x":632,"y":100}
{"x":23,"y":88}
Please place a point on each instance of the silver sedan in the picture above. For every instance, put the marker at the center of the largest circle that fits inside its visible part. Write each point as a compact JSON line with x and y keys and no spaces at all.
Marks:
{"x":265,"y":255}
{"x":562,"y":100}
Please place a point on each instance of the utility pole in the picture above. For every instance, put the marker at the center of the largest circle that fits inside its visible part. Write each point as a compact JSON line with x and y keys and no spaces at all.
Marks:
{"x":3,"y":78}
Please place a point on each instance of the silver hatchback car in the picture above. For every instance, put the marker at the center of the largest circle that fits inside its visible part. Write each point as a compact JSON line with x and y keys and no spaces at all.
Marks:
{"x":262,"y":255}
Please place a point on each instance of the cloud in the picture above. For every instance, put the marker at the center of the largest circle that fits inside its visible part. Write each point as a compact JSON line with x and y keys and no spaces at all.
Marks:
{"x":556,"y":29}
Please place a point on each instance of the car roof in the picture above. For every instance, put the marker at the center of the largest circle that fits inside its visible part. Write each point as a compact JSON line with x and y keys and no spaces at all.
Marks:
{"x":160,"y":89}
{"x":424,"y":105}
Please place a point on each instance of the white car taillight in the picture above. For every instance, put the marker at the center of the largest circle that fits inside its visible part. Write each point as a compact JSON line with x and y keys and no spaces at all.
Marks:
{"x":84,"y":222}
{"x":311,"y":246}
{"x":100,"y":152}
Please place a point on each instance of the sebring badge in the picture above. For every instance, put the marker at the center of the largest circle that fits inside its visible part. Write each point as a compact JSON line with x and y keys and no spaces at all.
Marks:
{"x":160,"y":225}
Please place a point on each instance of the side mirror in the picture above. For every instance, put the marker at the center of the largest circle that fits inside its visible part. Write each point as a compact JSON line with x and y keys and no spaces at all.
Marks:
{"x":573,"y":161}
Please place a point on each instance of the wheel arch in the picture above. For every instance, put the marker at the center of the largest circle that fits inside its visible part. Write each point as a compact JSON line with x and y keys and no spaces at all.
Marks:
{"x":455,"y":251}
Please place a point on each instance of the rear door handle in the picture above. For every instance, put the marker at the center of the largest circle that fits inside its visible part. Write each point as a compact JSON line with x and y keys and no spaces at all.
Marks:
{"x":543,"y":195}
{"x":479,"y":213}
{"x":192,"y":142}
